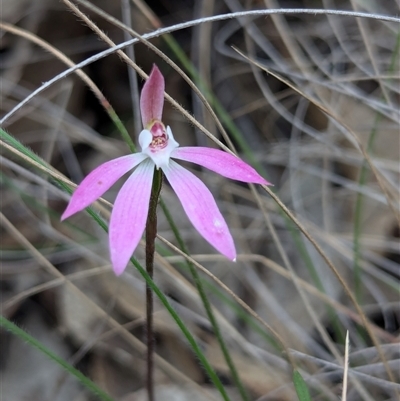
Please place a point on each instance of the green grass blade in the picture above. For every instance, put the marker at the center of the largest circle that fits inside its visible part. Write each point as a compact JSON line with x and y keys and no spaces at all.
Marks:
{"x":301,"y":387}
{"x":85,"y":381}
{"x":208,"y":307}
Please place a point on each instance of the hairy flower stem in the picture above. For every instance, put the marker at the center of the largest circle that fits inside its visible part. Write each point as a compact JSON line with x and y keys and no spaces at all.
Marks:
{"x":151,"y":232}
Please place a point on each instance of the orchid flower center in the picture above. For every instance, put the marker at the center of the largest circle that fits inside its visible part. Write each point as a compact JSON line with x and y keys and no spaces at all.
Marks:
{"x":160,"y":137}
{"x":158,"y":142}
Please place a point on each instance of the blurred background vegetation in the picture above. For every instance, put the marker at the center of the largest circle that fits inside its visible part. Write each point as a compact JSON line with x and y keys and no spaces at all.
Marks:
{"x":310,"y":100}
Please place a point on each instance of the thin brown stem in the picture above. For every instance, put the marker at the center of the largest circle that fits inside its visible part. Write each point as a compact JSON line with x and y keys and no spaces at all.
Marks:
{"x":151,"y":233}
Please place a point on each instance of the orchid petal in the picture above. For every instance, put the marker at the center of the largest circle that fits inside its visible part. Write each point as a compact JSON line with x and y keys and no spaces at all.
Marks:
{"x":145,"y":138}
{"x":129,"y":214}
{"x":200,"y":207}
{"x":99,"y":181}
{"x":152,"y":97}
{"x":220,"y":162}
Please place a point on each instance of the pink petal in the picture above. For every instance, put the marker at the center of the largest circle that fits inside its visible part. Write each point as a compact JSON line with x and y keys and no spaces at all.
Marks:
{"x":221,"y":162}
{"x":201,"y":208}
{"x":152,"y":97}
{"x":129,"y":214}
{"x":99,"y":181}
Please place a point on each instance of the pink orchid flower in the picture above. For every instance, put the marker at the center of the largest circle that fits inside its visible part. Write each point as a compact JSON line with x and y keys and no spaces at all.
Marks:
{"x":129,"y":214}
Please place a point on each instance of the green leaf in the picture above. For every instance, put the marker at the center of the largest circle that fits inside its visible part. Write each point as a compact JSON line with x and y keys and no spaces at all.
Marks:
{"x":301,"y":387}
